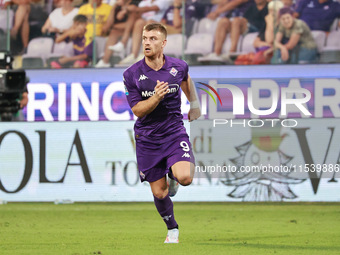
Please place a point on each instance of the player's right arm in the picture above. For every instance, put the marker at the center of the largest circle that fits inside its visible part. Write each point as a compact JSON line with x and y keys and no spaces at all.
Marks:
{"x":141,"y":107}
{"x":145,"y":107}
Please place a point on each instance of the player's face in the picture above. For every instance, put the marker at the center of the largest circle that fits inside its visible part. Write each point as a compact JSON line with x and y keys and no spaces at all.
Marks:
{"x":153,"y":43}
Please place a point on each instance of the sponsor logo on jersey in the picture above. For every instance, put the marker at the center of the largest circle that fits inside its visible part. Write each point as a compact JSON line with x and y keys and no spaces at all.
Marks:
{"x":186,"y":155}
{"x":142,"y":77}
{"x":173,"y":88}
{"x":173,"y":71}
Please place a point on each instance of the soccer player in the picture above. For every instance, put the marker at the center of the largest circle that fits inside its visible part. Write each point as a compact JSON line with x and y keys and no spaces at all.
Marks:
{"x":162,"y":144}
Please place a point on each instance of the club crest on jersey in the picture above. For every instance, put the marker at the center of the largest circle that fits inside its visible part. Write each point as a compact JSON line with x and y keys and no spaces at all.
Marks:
{"x":142,"y":77}
{"x":142,"y":175}
{"x":173,"y":71}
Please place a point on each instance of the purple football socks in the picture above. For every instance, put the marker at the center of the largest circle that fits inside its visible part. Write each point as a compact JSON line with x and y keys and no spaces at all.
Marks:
{"x":165,"y":208}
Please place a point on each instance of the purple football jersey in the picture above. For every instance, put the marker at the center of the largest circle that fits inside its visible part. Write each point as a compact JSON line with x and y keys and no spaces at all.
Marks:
{"x":140,"y":81}
{"x":82,"y":45}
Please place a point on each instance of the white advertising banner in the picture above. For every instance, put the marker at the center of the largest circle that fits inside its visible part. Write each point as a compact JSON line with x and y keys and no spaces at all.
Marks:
{"x":95,"y":161}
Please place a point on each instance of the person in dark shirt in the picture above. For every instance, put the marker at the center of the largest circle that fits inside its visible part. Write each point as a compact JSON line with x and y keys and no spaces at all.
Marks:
{"x":318,"y":14}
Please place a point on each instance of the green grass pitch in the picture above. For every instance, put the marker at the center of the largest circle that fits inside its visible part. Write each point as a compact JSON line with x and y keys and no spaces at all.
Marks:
{"x":136,"y":228}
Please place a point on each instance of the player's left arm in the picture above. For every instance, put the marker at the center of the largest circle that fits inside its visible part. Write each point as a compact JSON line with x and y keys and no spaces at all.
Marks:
{"x":189,"y":90}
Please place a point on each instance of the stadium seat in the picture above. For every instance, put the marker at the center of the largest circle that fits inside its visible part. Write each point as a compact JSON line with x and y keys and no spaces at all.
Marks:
{"x":174,"y":45}
{"x":37,"y":51}
{"x":3,"y":19}
{"x":208,"y":26}
{"x":100,"y":45}
{"x":59,"y":50}
{"x":333,"y":41}
{"x":320,"y":39}
{"x":194,"y":29}
{"x":63,"y":49}
{"x":199,"y":44}
{"x":100,"y":49}
{"x":247,"y":44}
{"x":331,"y":52}
{"x":227,"y":44}
{"x":335,"y":25}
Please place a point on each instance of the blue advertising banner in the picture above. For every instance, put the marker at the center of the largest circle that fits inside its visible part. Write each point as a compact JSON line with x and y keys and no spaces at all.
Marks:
{"x":92,"y":94}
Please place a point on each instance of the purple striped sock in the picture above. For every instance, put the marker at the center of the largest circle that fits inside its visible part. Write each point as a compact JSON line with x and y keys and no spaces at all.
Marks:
{"x":165,"y":208}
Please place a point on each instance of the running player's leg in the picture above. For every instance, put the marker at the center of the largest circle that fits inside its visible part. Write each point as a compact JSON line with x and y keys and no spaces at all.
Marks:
{"x":163,"y":202}
{"x":183,"y":171}
{"x":165,"y":208}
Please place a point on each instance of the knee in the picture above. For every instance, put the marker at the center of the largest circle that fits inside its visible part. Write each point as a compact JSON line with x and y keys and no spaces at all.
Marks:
{"x":236,"y":21}
{"x":160,"y":193}
{"x":223,"y":22}
{"x":185,"y":180}
{"x":140,"y":23}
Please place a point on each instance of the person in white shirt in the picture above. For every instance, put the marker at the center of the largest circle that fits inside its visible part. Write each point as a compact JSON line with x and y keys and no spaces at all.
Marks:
{"x":61,"y":18}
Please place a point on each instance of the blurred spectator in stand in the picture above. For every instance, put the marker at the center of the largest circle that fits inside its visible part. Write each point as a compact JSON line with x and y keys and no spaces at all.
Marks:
{"x":287,"y":3}
{"x":204,"y":7}
{"x":263,"y":43}
{"x":318,"y":14}
{"x":148,"y":11}
{"x":4,"y":3}
{"x":21,"y":22}
{"x":120,"y":23}
{"x":252,"y":21}
{"x":247,"y":18}
{"x":28,"y":19}
{"x":267,"y":33}
{"x":300,"y":46}
{"x":228,"y":8}
{"x":102,"y":14}
{"x":82,"y":44}
{"x":60,"y":19}
{"x":172,"y":18}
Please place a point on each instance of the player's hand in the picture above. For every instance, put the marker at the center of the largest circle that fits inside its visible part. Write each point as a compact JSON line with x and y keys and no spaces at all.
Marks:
{"x":161,"y":89}
{"x":194,"y":114}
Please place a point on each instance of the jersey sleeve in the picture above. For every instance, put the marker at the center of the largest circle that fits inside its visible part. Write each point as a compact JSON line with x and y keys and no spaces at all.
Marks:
{"x":131,"y":91}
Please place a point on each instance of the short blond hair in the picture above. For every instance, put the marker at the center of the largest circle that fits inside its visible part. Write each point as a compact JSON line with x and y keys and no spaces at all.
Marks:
{"x":157,"y":27}
{"x":275,"y":5}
